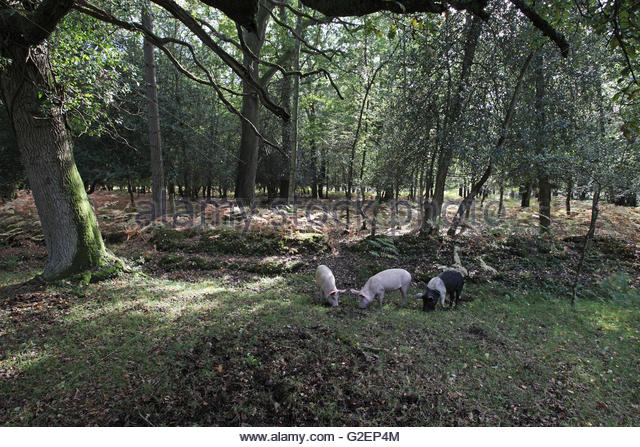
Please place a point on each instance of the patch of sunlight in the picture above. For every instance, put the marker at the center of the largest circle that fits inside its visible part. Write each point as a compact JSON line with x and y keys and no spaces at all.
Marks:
{"x":264,"y":284}
{"x":451,"y":194}
{"x":21,"y":360}
{"x":161,"y":296}
{"x":8,"y":278}
{"x":610,"y":318}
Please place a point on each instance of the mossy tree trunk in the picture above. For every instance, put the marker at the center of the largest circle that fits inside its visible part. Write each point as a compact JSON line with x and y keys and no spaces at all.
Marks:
{"x":35,"y":106}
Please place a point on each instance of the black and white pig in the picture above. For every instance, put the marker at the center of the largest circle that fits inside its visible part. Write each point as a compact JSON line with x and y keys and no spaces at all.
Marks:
{"x":449,"y":282}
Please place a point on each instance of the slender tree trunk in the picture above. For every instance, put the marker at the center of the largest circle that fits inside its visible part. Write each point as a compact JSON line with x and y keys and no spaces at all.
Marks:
{"x":357,"y":133}
{"x":544,"y":184}
{"x":293,"y":149}
{"x":130,"y":191}
{"x":314,"y":169}
{"x":316,"y":189}
{"x":595,"y":210}
{"x":430,"y":213}
{"x":525,"y":192}
{"x":155,"y":139}
{"x":323,"y":173}
{"x":567,"y":202}
{"x":501,"y":201}
{"x":477,"y":187}
{"x":171,"y":199}
{"x":35,"y":107}
{"x":544,"y":201}
{"x":473,"y":30}
{"x":429,"y":182}
{"x":362,"y":167}
{"x":286,"y":126}
{"x":421,"y":182}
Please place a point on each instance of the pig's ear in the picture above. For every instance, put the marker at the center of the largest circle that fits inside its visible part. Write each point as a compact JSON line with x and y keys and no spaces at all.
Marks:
{"x":355,"y":292}
{"x":334,"y":292}
{"x":342,"y":291}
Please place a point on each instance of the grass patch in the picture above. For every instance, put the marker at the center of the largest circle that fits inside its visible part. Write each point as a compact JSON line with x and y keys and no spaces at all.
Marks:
{"x":173,"y":261}
{"x":135,"y":351}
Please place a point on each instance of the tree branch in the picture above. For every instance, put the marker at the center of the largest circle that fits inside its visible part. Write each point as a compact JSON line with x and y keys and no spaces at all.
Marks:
{"x":160,"y":43}
{"x":543,"y":26}
{"x":31,"y":28}
{"x":192,"y":23}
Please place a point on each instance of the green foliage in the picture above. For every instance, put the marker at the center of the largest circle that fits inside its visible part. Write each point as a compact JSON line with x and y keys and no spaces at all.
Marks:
{"x":241,"y":243}
{"x":368,"y":269}
{"x":377,"y":247}
{"x":166,"y":239}
{"x":172,"y":261}
{"x":200,"y":263}
{"x":234,"y":242}
{"x":617,"y":288}
{"x":273,"y":267}
{"x":9,"y":265}
{"x":89,"y":63}
{"x":259,"y":244}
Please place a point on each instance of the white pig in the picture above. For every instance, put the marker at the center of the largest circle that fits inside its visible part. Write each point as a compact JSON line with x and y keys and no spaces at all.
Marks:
{"x":327,"y":284}
{"x":386,"y":280}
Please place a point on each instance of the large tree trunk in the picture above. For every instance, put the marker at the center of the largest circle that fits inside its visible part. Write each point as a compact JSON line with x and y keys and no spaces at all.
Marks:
{"x":155,"y":140}
{"x":248,"y":153}
{"x":35,"y":106}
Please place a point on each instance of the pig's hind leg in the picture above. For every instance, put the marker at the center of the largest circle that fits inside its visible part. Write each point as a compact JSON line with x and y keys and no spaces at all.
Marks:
{"x":458,"y":292}
{"x":403,"y":291}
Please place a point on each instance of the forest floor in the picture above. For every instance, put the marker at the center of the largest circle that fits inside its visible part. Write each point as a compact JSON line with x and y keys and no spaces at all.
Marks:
{"x":224,"y":327}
